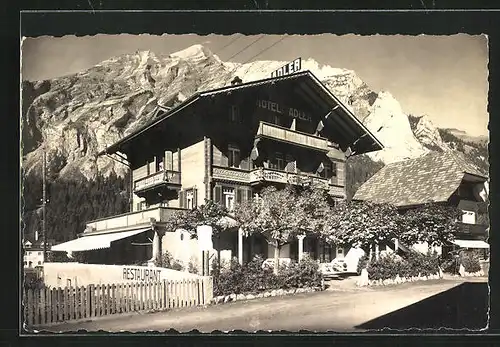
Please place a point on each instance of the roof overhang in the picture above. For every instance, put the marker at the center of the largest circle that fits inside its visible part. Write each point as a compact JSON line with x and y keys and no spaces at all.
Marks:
{"x":474,"y":244}
{"x":343,"y":122}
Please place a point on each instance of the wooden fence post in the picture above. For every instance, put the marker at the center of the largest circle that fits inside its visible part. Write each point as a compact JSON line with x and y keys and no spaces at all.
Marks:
{"x":108,"y":298}
{"x":49,"y":305}
{"x":71,"y":302}
{"x":98,"y":300}
{"x":60,"y":307}
{"x":30,"y":306}
{"x":43,"y":306}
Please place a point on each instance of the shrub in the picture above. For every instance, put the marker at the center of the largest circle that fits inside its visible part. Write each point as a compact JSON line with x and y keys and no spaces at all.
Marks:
{"x":389,"y":266}
{"x":193,"y":267}
{"x":298,"y":275}
{"x":425,"y":264}
{"x":470,"y":261}
{"x":252,"y":278}
{"x":166,"y":260}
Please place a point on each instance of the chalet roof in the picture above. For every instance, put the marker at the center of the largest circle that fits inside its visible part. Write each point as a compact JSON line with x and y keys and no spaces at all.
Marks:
{"x":430,"y":178}
{"x":343,"y":120}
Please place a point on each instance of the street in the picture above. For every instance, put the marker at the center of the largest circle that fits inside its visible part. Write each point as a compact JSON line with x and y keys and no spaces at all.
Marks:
{"x":453,"y":303}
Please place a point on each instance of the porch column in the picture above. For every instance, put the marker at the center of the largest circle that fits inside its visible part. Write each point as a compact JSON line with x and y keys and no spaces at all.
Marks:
{"x":301,"y":246}
{"x":377,"y":249}
{"x":240,"y":246}
{"x":157,"y":238}
{"x":396,"y":245}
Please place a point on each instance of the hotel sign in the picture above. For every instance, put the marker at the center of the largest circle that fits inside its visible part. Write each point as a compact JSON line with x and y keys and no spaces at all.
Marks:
{"x":289,"y":111}
{"x":291,"y":67}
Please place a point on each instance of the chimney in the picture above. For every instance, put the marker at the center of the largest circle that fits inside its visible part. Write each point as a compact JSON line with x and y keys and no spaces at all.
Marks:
{"x":236,"y":80}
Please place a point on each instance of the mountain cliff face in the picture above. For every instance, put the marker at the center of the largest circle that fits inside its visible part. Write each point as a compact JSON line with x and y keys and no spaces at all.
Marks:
{"x":78,"y":115}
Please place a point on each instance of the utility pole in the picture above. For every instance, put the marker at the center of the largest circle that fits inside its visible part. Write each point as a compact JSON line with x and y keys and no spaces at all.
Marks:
{"x":44,"y":203}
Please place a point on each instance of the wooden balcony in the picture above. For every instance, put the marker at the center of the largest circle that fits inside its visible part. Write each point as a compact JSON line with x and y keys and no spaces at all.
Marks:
{"x":156,"y":215}
{"x":169,"y":180}
{"x":275,"y":132}
{"x":473,"y":230}
{"x":230,"y":174}
{"x":277,"y":176}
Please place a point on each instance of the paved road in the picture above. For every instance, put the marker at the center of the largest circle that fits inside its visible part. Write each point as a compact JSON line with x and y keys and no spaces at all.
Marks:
{"x":431,"y":304}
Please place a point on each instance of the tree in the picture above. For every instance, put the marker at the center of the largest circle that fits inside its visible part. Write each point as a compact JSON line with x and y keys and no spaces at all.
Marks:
{"x":362,"y":224}
{"x":281,"y":215}
{"x":433,"y":223}
{"x":210,"y":213}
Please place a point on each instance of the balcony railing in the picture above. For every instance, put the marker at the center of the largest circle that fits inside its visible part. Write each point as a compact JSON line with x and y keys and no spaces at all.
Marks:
{"x":131,"y":219}
{"x":160,"y":177}
{"x":275,"y":176}
{"x":473,"y":229}
{"x":230,"y":174}
{"x":287,"y":135}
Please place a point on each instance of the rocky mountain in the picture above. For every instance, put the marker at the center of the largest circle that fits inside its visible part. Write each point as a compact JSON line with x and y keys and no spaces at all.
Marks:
{"x":78,"y":115}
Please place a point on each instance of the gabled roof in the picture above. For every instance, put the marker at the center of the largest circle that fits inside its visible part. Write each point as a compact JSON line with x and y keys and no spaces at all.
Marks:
{"x":430,"y":178}
{"x":343,"y":121}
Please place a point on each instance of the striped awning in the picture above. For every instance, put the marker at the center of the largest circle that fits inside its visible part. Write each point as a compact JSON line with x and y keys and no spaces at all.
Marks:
{"x":471,"y":244}
{"x":91,"y":242}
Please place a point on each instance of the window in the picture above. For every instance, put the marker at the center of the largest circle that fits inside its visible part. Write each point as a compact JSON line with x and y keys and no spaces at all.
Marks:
{"x":39,"y":262}
{"x":228,"y":194}
{"x":190,"y":199}
{"x":160,"y":163}
{"x":28,"y":253}
{"x":30,"y":263}
{"x":330,"y":169}
{"x":234,"y":114}
{"x":469,"y":217}
{"x":39,"y":253}
{"x":233,"y":156}
{"x":280,"y":163}
{"x":25,"y":263}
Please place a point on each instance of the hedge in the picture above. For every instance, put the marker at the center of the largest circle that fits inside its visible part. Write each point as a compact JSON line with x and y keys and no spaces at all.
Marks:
{"x":389,"y":266}
{"x":234,"y":278}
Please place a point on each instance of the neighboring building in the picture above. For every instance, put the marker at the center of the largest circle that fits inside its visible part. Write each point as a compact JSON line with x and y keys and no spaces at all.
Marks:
{"x":33,"y":253}
{"x":225,"y":145}
{"x":438,"y":177}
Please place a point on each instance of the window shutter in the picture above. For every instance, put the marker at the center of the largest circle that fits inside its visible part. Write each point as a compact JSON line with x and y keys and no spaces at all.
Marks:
{"x":195,"y":197}
{"x":182,"y":199}
{"x":218,"y":194}
{"x":238,"y":195}
{"x":249,"y":194}
{"x":224,"y":160}
{"x":217,"y":156}
{"x":169,"y":163}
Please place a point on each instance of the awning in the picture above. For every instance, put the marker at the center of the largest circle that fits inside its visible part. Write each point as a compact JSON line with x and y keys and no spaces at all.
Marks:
{"x":87,"y":243}
{"x":471,"y":244}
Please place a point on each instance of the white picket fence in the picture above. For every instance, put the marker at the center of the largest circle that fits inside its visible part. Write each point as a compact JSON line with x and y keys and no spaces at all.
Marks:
{"x":51,"y":305}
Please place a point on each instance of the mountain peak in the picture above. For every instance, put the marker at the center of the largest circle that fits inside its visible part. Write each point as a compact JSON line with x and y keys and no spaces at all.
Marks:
{"x":196,"y":52}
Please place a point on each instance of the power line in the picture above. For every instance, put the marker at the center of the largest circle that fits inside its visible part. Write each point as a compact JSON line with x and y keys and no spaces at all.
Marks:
{"x":253,"y":42}
{"x":274,"y":44}
{"x":228,"y":44}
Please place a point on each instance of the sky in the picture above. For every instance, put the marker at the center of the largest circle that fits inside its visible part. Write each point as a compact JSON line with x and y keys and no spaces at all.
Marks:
{"x":443,"y":77}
